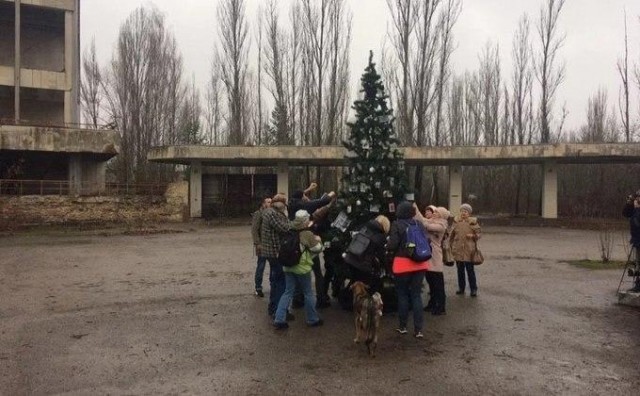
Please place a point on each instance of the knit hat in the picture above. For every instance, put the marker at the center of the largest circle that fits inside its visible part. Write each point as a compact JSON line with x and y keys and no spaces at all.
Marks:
{"x":302,"y":217}
{"x":443,"y":212}
{"x":466,"y":207}
{"x":432,"y":208}
{"x":405,"y":211}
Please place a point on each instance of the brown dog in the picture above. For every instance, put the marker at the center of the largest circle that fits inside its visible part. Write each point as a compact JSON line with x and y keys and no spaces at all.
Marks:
{"x":367,"y":310}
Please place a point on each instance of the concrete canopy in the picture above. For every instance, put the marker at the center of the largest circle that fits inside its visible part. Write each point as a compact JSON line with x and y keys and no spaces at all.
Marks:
{"x":561,"y":153}
{"x":101,"y":144}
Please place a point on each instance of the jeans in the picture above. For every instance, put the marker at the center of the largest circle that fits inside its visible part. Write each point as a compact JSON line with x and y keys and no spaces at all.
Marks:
{"x":319,"y":284}
{"x":304,"y":283}
{"x":277,"y":283}
{"x":409,"y":287}
{"x":262,"y":262}
{"x":471,"y":272}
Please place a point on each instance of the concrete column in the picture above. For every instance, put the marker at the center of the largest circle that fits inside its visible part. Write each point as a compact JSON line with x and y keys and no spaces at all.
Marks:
{"x":549,"y":190}
{"x":195,"y":189}
{"x":455,"y":187}
{"x":69,"y":72}
{"x":18,"y":63}
{"x":75,"y":174}
{"x":283,"y":178}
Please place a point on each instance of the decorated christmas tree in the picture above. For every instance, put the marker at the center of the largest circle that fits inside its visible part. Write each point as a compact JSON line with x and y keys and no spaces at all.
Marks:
{"x":374,"y":181}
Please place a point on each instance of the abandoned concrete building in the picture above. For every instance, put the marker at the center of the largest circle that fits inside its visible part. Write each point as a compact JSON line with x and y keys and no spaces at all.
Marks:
{"x":42,"y":143}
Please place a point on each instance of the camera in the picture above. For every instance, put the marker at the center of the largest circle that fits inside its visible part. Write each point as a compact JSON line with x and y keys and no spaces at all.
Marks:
{"x":633,"y":197}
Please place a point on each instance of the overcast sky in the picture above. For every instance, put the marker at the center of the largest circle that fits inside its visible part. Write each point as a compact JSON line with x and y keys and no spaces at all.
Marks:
{"x":594,"y":37}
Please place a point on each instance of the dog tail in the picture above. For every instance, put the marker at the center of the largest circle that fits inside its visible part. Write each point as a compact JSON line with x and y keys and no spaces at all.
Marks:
{"x":370,"y":320}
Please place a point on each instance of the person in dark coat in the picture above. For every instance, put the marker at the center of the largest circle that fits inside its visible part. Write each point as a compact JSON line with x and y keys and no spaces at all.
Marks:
{"x":275,"y":225}
{"x":256,"y":226}
{"x":366,"y":268}
{"x":300,"y":201}
{"x":631,"y":211}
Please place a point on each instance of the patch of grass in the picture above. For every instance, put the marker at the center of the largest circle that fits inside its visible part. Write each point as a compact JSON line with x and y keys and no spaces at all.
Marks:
{"x":597,"y":264}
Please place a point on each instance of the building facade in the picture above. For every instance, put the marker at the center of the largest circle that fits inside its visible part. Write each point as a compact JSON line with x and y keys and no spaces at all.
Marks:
{"x":40,"y":133}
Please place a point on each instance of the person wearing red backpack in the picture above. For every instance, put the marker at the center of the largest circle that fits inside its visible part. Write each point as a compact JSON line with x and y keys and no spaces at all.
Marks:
{"x":408,"y":273}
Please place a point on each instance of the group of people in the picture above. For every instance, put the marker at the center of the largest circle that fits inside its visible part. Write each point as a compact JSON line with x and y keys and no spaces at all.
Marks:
{"x":271,"y":222}
{"x":452,"y":239}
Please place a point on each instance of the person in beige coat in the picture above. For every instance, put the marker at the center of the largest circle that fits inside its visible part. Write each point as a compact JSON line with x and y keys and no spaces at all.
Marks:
{"x":436,"y":224}
{"x":464,"y":235}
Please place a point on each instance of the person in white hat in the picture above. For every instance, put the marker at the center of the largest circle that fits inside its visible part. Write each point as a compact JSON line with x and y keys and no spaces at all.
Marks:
{"x":300,"y":275}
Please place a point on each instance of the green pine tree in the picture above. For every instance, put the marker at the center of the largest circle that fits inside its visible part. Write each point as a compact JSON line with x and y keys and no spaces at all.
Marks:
{"x":375,"y":179}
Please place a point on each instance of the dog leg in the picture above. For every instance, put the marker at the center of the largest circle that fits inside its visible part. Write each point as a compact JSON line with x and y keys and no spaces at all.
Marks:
{"x":357,"y":339}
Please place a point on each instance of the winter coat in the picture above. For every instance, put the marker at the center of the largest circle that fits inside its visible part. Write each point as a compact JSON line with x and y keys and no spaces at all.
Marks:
{"x":375,"y":253}
{"x":311,"y":246}
{"x":462,"y":247}
{"x":274,"y":225}
{"x":256,"y":224}
{"x":633,"y":214}
{"x":402,"y":263}
{"x":436,"y":227}
{"x":310,"y":206}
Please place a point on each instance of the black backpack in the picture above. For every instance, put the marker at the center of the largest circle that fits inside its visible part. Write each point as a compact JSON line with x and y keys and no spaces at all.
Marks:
{"x":360,"y":242}
{"x":290,"y":249}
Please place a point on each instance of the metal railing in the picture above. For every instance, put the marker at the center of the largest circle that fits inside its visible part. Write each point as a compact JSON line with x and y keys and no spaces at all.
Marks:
{"x":64,"y":187}
{"x":46,"y":124}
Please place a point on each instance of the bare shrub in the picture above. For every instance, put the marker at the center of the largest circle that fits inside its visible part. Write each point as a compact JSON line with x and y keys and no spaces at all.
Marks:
{"x":606,"y":244}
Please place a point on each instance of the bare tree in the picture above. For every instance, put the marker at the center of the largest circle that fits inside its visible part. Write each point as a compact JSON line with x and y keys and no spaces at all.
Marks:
{"x":213,"y":108}
{"x":447,"y":21}
{"x":549,"y":73}
{"x":275,"y":63}
{"x":522,"y":82}
{"x":623,"y":70}
{"x":315,"y":23}
{"x":190,"y":125}
{"x":260,"y":114}
{"x":339,"y":40}
{"x":489,"y":75}
{"x":91,"y":87}
{"x":601,"y":125}
{"x":522,"y":97}
{"x":403,"y":21}
{"x":144,"y":92}
{"x":464,"y":110}
{"x":232,"y":56}
{"x":292,"y":71}
{"x":325,"y":67}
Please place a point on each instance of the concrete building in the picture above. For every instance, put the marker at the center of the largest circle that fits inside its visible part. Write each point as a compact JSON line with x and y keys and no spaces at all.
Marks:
{"x":40,"y":134}
{"x":548,"y":156}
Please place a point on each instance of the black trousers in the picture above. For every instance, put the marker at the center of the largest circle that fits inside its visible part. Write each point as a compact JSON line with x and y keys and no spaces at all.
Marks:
{"x":438,"y":298}
{"x":329,"y":275}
